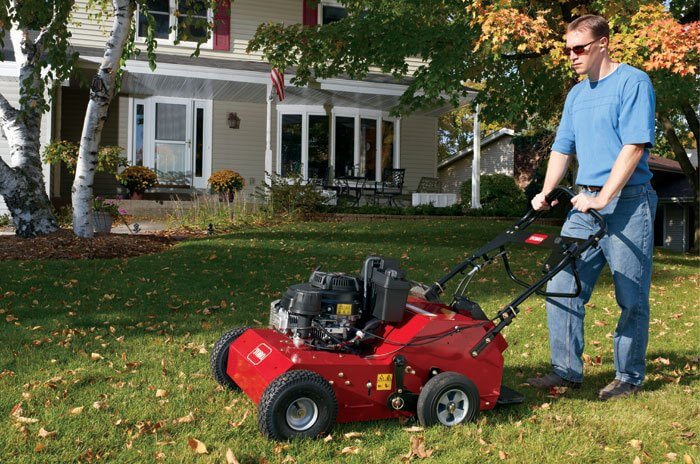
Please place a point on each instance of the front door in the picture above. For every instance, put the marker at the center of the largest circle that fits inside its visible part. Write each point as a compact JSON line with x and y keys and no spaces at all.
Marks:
{"x":175,"y":140}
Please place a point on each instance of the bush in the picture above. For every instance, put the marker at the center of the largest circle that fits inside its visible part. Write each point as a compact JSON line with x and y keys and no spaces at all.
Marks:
{"x":5,"y":220}
{"x":137,"y":179}
{"x":291,"y":196}
{"x":500,"y":196}
{"x":109,"y":158}
{"x":226,"y":181}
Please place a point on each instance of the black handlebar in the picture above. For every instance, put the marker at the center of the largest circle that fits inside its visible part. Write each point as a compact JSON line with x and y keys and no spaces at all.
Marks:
{"x":559,"y":191}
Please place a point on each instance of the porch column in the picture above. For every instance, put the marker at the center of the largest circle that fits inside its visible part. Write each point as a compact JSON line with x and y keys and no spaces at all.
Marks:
{"x":476,"y":162}
{"x":268,"y":136}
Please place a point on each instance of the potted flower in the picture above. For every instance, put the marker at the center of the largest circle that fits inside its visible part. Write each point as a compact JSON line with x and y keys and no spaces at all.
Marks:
{"x":104,"y":212}
{"x":137,"y":179}
{"x":226,"y":183}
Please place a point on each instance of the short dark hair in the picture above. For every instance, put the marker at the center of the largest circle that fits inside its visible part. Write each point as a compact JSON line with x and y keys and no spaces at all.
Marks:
{"x":596,"y":24}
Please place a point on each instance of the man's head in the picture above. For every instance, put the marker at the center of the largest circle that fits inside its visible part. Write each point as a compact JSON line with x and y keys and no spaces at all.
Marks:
{"x":587,"y":40}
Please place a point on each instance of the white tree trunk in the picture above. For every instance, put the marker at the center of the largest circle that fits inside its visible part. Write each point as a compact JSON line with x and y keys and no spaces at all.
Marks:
{"x":102,"y":91}
{"x":22,"y":182}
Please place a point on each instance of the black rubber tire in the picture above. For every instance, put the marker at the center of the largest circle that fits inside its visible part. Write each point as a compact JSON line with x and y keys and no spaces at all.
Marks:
{"x":219,"y":358}
{"x":284,"y":392}
{"x":442,"y":389}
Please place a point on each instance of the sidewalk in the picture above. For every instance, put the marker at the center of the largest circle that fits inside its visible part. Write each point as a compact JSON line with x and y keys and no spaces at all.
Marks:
{"x":145,"y":226}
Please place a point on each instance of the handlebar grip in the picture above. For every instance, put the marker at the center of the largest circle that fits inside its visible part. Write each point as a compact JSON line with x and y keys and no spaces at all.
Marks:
{"x":560,"y":191}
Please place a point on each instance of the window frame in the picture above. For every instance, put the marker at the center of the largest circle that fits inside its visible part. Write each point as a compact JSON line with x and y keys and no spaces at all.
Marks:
{"x":172,"y":34}
{"x":324,"y":3}
{"x":357,"y":113}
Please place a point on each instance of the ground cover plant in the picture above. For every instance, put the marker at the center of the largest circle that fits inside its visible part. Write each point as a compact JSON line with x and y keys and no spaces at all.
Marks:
{"x":107,"y":360}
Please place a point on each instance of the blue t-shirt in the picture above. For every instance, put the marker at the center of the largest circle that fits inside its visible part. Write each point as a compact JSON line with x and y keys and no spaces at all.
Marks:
{"x":600,"y":117}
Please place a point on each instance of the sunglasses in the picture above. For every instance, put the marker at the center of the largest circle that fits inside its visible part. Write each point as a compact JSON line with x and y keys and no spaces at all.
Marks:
{"x":579,"y":49}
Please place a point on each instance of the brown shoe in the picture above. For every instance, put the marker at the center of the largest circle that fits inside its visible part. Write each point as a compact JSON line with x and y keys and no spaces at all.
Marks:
{"x":550,"y":381}
{"x":617,"y":389}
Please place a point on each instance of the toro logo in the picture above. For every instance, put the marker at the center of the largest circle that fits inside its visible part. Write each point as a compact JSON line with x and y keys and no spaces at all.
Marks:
{"x":259,"y":354}
{"x":536,"y":239}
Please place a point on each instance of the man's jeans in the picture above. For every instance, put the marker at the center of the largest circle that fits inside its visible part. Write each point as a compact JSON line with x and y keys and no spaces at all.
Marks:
{"x":627,"y":248}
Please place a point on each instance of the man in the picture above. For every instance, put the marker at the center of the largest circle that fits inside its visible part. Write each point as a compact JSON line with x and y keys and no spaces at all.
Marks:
{"x":608,"y":124}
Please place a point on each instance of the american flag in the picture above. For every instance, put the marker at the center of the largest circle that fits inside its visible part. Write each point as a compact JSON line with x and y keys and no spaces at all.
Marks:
{"x":278,"y":81}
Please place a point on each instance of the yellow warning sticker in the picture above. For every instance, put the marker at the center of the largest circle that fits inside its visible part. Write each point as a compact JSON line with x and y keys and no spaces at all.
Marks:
{"x":344,"y":309}
{"x":384,"y":381}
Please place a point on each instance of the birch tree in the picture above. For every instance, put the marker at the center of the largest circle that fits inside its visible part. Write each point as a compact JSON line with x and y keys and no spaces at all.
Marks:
{"x":40,"y":36}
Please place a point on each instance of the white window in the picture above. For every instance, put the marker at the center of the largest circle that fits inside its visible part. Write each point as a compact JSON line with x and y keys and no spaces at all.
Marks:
{"x":330,"y":11}
{"x":185,"y":20}
{"x":348,"y":142}
{"x":172,"y":136}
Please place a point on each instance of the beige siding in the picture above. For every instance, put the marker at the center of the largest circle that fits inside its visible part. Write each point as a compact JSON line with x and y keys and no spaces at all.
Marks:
{"x":9,"y":89}
{"x":418,"y":149}
{"x":242,"y":150}
{"x":496,"y":158}
{"x":246,"y":15}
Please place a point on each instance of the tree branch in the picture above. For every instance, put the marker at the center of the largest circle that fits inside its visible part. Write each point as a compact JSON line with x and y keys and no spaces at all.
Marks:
{"x":679,"y":152}
{"x":60,"y":18}
{"x":692,"y":119}
{"x":524,"y":56}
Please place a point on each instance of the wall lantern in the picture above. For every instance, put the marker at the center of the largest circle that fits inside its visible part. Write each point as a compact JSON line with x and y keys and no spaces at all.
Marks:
{"x":234,"y":122}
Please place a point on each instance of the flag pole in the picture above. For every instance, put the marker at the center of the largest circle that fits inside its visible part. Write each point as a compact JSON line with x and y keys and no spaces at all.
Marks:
{"x":268,"y":136}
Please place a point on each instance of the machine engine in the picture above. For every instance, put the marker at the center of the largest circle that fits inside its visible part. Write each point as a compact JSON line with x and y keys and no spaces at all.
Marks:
{"x":331,"y":307}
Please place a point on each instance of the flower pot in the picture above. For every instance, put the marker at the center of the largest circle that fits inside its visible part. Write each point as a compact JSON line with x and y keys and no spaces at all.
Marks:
{"x":102,"y":222}
{"x":136,"y":196}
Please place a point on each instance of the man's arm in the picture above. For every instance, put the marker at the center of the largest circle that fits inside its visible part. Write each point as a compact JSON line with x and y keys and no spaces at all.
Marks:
{"x":622,"y":170}
{"x":556,"y":169}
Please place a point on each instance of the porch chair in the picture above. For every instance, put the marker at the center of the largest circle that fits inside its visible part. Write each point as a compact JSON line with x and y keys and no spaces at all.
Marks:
{"x":391,"y":185}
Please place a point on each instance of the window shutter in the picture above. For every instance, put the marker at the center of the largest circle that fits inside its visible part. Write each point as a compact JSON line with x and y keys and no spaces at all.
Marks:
{"x":310,"y":12}
{"x":222,"y":26}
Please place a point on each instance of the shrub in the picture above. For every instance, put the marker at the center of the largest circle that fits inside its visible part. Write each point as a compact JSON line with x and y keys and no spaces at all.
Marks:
{"x":226,"y":181}
{"x":5,"y":220}
{"x":291,"y":195}
{"x":500,"y":196}
{"x":137,"y":179}
{"x":109,"y":158}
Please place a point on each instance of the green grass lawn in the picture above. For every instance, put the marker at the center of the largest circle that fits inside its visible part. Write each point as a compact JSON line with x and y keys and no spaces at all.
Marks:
{"x":113,"y":355}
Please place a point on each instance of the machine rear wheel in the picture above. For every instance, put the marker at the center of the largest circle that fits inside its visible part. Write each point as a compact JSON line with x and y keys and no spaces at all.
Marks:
{"x":219,"y":358}
{"x":297,"y":404}
{"x":449,"y":399}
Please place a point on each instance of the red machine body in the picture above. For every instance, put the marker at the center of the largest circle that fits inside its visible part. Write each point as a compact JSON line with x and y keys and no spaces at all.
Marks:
{"x":364,"y":383}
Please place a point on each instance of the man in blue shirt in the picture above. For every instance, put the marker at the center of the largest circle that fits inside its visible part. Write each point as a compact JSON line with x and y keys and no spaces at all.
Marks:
{"x":608,"y":125}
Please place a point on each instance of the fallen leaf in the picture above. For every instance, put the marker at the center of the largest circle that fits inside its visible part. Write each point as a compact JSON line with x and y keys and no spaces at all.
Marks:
{"x":197,"y":446}
{"x":350,"y":450}
{"x":328,"y":438}
{"x":636,"y":444}
{"x":289,"y":460}
{"x":418,"y":448}
{"x":637,"y":460}
{"x":414,"y":429}
{"x":77,"y":410}
{"x":43,"y":433}
{"x":688,"y":459}
{"x":240,"y":422}
{"x":160,"y":393}
{"x":502,"y":455}
{"x":351,"y":435}
{"x":671,"y":456}
{"x":96,"y":356}
{"x":39,"y":447}
{"x":230,"y":457}
{"x":184,"y":420}
{"x":664,"y":361}
{"x":545,"y":406}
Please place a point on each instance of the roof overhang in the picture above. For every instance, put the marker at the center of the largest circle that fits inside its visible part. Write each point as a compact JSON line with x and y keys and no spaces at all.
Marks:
{"x":491,"y":138}
{"x":249,"y":82}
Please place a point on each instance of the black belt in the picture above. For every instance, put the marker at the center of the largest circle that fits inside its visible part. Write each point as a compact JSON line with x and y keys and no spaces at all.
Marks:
{"x":591,"y":188}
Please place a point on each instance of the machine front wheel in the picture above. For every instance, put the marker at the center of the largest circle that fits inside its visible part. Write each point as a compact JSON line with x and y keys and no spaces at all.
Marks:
{"x":219,"y":358}
{"x":449,"y":399}
{"x":297,"y":404}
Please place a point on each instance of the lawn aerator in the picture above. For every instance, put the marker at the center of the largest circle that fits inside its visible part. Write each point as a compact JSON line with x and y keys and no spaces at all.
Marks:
{"x":345,"y":348}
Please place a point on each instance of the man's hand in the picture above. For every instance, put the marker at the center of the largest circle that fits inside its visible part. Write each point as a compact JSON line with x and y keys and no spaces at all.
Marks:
{"x":583,"y":202}
{"x":539,"y":202}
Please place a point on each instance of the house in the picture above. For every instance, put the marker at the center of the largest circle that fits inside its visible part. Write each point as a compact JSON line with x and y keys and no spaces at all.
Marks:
{"x":192,"y":116}
{"x":497,"y":157}
{"x":674,"y":226}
